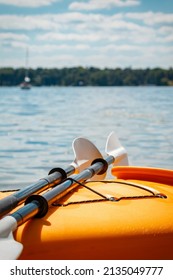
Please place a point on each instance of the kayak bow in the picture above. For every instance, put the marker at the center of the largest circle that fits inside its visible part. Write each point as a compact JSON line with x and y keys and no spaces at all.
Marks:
{"x":129,"y":216}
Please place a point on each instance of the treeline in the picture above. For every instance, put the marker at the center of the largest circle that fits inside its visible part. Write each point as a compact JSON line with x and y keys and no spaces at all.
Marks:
{"x":80,"y":76}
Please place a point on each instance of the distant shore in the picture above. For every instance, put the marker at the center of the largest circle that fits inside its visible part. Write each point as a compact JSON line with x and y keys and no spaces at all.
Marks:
{"x":88,"y":76}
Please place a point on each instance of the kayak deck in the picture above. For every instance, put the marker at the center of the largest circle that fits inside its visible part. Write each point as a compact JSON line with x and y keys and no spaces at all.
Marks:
{"x":136,"y":224}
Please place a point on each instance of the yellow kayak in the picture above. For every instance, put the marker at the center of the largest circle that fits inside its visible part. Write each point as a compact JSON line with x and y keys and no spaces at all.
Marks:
{"x":127,"y":217}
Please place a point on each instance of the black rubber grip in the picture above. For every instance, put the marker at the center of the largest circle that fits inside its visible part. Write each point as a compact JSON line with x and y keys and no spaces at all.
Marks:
{"x":42,"y":202}
{"x":104,"y":162}
{"x":59,"y":170}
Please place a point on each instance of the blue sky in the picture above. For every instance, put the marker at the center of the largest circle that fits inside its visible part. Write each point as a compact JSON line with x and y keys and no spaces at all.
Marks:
{"x":99,"y":33}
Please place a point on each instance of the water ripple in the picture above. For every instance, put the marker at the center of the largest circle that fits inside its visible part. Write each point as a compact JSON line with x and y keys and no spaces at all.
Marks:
{"x":37,"y":128}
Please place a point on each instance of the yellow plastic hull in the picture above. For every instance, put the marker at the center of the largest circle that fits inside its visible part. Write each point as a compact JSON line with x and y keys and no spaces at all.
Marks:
{"x":138,"y":225}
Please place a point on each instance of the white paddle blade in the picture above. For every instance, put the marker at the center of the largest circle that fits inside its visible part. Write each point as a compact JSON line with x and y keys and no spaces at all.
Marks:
{"x":115,"y":149}
{"x":85,"y":152}
{"x":9,"y":248}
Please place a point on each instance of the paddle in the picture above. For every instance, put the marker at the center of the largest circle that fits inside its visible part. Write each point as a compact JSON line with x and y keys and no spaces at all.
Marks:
{"x":85,"y":152}
{"x":37,"y":205}
{"x":120,"y":154}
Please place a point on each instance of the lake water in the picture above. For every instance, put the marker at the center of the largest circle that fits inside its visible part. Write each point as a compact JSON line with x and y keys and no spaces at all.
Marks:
{"x":37,"y":127}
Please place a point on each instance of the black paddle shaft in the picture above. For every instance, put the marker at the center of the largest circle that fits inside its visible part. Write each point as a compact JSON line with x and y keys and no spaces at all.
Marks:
{"x":55,"y":176}
{"x":37,"y":205}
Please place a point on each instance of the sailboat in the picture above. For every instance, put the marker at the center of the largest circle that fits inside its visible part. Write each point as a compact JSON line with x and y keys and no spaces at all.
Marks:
{"x":26,"y":83}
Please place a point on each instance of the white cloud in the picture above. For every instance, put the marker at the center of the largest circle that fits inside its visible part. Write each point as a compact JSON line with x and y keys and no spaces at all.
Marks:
{"x":168,"y":38}
{"x":114,"y":56}
{"x":55,"y":60}
{"x":80,"y":21}
{"x":65,"y":21}
{"x":120,"y":33}
{"x":138,"y":49}
{"x":49,"y":48}
{"x":30,"y":3}
{"x":102,"y":4}
{"x":13,"y":36}
{"x":151,"y":18}
{"x":120,"y":48}
{"x":14,"y":22}
{"x":19,"y":45}
{"x":86,"y":28}
{"x":49,"y":21}
{"x":88,"y":39}
{"x":166,"y":30}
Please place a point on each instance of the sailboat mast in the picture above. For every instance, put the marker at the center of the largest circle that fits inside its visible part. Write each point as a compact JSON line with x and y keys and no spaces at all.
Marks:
{"x":26,"y":83}
{"x":26,"y":63}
